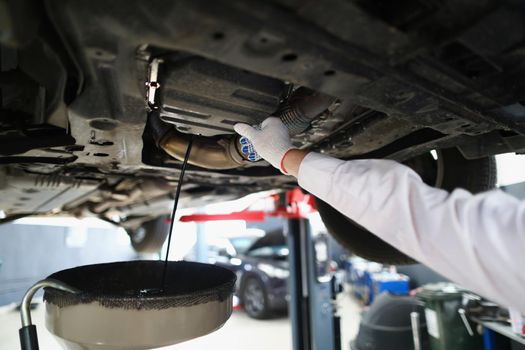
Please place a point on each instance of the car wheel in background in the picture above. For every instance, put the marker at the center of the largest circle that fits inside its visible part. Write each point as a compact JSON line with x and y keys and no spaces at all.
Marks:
{"x":151,"y":235}
{"x":449,"y":171}
{"x":254,"y":299}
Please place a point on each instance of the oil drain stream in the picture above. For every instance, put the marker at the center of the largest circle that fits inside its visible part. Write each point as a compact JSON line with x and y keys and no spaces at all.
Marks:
{"x":173,"y":212}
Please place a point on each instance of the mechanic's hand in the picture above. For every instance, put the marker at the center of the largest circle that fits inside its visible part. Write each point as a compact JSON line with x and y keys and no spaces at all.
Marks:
{"x":271,"y":141}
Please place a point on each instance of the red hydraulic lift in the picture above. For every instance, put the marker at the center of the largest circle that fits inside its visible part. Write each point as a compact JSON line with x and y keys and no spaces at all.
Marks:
{"x":293,"y":204}
{"x":312,"y":326}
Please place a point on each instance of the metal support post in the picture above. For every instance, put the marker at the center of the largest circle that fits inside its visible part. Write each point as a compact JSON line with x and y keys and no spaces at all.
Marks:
{"x":299,"y":296}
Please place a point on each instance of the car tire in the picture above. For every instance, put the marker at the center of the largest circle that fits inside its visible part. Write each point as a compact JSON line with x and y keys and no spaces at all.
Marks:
{"x":150,"y":236}
{"x":449,"y":171}
{"x":255,"y":299}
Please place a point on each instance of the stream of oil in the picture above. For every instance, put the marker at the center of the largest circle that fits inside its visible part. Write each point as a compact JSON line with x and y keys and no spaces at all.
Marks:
{"x":173,"y":212}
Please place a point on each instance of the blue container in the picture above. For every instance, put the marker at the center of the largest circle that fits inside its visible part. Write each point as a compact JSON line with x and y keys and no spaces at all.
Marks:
{"x":393,"y":283}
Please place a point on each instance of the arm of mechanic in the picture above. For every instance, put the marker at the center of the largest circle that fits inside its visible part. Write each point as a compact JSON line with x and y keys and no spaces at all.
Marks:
{"x":478,"y":241}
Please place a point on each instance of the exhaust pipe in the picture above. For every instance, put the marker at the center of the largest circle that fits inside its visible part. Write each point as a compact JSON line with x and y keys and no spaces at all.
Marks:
{"x":226,"y":153}
{"x":205,"y":152}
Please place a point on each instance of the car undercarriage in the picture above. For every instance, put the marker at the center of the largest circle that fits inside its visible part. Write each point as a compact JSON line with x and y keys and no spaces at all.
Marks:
{"x":99,"y":98}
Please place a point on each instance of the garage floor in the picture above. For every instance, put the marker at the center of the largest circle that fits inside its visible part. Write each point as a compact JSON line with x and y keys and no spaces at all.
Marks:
{"x":240,"y":332}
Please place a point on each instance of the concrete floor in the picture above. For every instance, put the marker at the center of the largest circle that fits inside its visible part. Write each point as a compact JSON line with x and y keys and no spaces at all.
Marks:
{"x":240,"y":332}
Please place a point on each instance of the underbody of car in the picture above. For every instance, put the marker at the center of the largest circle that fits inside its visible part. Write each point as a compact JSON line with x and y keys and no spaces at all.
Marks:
{"x":100,"y":98}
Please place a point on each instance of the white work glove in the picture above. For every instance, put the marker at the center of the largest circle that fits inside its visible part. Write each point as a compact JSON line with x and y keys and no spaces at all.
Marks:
{"x":271,"y":140}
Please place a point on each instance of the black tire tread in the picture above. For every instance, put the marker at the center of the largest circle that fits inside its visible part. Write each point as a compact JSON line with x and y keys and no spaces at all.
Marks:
{"x":156,"y":233}
{"x":266,"y":313}
{"x":359,"y":240}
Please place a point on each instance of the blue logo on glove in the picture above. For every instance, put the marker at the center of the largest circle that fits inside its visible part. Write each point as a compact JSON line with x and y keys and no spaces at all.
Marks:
{"x":248,"y":150}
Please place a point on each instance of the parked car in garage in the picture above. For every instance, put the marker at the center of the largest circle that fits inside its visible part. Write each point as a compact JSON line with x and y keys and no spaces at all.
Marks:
{"x":222,"y":250}
{"x":99,"y":99}
{"x":262,"y":273}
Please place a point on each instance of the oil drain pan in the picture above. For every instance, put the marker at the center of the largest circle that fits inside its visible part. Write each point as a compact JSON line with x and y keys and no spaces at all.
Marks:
{"x":120,"y":305}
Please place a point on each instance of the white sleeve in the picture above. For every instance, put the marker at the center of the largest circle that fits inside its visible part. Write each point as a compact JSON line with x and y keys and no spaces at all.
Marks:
{"x":478,"y":241}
